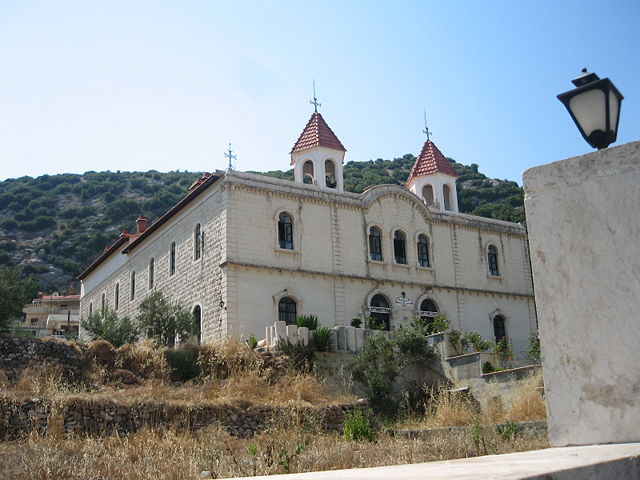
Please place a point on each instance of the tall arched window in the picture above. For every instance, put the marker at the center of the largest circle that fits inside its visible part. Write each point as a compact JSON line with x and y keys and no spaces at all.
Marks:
{"x":492,"y":259}
{"x":197,"y":323}
{"x":375,"y":244}
{"x":428,"y":311}
{"x":287,"y":310}
{"x":285,"y":231}
{"x":499,"y":329}
{"x":116,"y":295}
{"x":103,"y":303}
{"x":172,"y":259}
{"x":330,"y":174}
{"x":423,"y":251}
{"x":133,"y":285}
{"x":91,"y":309}
{"x":380,"y":313}
{"x":197,"y":242}
{"x":399,"y":247}
{"x":427,"y":194}
{"x":152,"y":273}
{"x":446,"y":195}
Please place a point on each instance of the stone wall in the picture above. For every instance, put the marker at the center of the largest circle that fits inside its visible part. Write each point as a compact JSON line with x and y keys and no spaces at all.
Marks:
{"x":17,"y":353}
{"x":81,"y":416}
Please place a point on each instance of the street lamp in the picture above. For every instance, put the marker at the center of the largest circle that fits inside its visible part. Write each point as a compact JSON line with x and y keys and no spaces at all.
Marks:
{"x":594,"y":106}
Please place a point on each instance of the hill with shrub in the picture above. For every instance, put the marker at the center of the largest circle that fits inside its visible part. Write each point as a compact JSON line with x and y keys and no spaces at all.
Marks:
{"x":53,"y":226}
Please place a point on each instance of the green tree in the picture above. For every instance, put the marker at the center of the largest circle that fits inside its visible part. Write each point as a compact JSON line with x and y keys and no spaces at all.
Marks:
{"x":15,"y":291}
{"x":164,"y":320}
{"x":106,"y":325}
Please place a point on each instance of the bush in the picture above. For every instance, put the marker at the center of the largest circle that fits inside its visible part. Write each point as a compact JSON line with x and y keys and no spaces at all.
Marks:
{"x":375,"y":366}
{"x":163,"y":320}
{"x":301,"y":355}
{"x":487,"y":367}
{"x":252,"y":341}
{"x":108,"y":326}
{"x":412,"y":344}
{"x":439,"y":324}
{"x":323,"y":340}
{"x":504,"y":352}
{"x":183,"y":362}
{"x":358,"y":427}
{"x":356,"y":322}
{"x":102,"y":353}
{"x":309,"y":321}
{"x":533,"y":352}
{"x":478,"y":344}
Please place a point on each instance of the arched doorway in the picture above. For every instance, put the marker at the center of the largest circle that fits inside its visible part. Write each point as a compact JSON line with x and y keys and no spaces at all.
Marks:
{"x":428,"y":311}
{"x":197,"y":323}
{"x":380,"y":313}
{"x":287,"y":310}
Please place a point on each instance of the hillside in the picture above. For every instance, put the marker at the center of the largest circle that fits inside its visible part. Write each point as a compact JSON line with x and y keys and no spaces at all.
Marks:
{"x":55,"y":225}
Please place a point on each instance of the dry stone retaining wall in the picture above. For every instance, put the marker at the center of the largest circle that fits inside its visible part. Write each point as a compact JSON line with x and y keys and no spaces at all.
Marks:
{"x":17,"y":353}
{"x":81,"y":416}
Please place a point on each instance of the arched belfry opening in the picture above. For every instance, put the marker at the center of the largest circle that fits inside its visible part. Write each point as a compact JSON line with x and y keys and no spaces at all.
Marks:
{"x":318,"y":155}
{"x":330,"y":174}
{"x":446,"y":196}
{"x":308,"y":176}
{"x":427,"y":195}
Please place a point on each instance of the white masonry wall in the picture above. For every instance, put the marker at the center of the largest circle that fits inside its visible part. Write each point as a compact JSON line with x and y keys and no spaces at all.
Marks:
{"x":584,"y":230}
{"x":329,"y":273}
{"x":196,"y":282}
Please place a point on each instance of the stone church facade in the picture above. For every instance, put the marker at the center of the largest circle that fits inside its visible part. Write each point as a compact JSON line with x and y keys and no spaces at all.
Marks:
{"x":244,"y":250}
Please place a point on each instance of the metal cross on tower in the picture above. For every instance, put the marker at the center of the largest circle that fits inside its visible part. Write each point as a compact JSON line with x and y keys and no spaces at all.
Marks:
{"x":426,"y":128}
{"x":229,"y":154}
{"x":315,"y":101}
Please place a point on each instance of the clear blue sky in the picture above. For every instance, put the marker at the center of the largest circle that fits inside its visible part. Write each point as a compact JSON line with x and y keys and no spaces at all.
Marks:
{"x":139,"y":85}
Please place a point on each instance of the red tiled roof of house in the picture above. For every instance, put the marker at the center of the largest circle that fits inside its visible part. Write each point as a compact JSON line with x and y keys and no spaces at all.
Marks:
{"x":317,"y":134}
{"x":430,"y":161}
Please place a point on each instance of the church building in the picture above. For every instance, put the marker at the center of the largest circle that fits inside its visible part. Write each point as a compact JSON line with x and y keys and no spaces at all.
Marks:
{"x":244,"y":250}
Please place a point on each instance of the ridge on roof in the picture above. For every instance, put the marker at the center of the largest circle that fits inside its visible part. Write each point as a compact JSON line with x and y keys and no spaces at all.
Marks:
{"x":430,"y":161}
{"x":317,"y":134}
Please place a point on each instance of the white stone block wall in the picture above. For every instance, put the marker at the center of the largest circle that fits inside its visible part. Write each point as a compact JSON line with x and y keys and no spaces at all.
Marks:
{"x":584,"y":230}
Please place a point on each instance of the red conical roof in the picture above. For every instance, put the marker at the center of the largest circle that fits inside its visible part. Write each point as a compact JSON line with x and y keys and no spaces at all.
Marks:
{"x":317,"y":134}
{"x":430,"y":161}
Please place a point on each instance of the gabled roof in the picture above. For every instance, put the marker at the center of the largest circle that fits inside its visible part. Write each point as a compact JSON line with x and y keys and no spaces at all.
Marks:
{"x":430,"y":161}
{"x":128,"y":242}
{"x":317,"y":134}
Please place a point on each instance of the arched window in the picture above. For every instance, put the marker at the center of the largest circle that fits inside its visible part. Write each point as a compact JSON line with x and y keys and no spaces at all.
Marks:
{"x":308,"y":175}
{"x":499,"y":330}
{"x":133,"y":285}
{"x":492,"y":259}
{"x":330,"y":174}
{"x":446,"y":195}
{"x":375,"y":244}
{"x":152,"y":273}
{"x":172,"y":259}
{"x":285,"y":231}
{"x":427,"y":194}
{"x":399,"y":247}
{"x":423,"y":251}
{"x":91,"y":309}
{"x":197,"y":323}
{"x":103,"y":303}
{"x":287,"y":310}
{"x":197,"y":242}
{"x":428,"y":311}
{"x":116,"y":295}
{"x":380,"y":313}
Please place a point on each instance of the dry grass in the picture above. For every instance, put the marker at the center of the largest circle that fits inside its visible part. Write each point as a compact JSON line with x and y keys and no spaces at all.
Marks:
{"x":170,"y":455}
{"x":444,"y":408}
{"x":232,"y":373}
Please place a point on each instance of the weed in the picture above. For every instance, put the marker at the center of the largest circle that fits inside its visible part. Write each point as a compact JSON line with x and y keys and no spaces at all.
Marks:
{"x":322,"y":339}
{"x":358,"y":427}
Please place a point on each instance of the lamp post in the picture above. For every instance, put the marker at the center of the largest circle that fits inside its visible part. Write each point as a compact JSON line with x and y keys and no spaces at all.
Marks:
{"x":594,"y":106}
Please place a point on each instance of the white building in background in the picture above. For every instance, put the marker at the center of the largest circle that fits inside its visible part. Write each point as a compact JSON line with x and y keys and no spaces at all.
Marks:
{"x":51,"y":315}
{"x":244,"y":250}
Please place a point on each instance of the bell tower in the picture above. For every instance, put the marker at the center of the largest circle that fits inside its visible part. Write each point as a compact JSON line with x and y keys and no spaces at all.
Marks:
{"x":318,"y":155}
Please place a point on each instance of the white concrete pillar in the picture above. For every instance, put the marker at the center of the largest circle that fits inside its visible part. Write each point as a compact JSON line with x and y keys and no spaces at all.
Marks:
{"x":303,"y":335}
